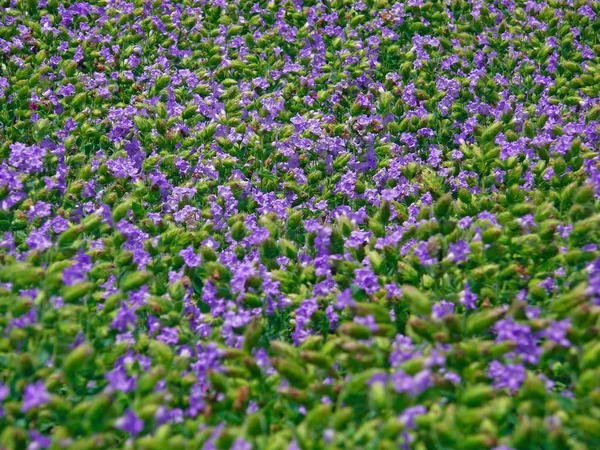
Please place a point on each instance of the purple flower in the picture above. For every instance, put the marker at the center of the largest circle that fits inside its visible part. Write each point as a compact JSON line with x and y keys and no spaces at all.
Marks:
{"x":125,"y":316}
{"x":169,"y":335}
{"x":441,"y":309}
{"x":367,"y":280}
{"x":130,"y":423}
{"x":393,"y":290}
{"x":34,"y":395}
{"x":557,"y":332}
{"x":468,"y":298}
{"x":344,"y":299}
{"x":190,"y":257}
{"x":522,"y":335}
{"x":4,"y":391}
{"x":458,"y":252}
{"x":408,"y":415}
{"x":38,"y":441}
{"x":119,"y":381}
{"x":241,"y":444}
{"x":465,"y":223}
{"x":403,"y":382}
{"x":548,"y":284}
{"x":402,"y":350}
{"x":368,"y":321}
{"x":422,"y":252}
{"x":509,"y":376}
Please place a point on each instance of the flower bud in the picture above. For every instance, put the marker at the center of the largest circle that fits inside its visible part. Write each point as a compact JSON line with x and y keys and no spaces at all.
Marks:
{"x":418,"y":301}
{"x":355,"y":330}
{"x":490,"y":133}
{"x":318,"y":417}
{"x":162,"y":82}
{"x":252,"y":335}
{"x":482,"y":321}
{"x":77,"y":359}
{"x":291,"y":371}
{"x":134,"y":280}
{"x":442,"y":206}
{"x":71,"y":294}
{"x":161,"y":353}
{"x":254,"y":424}
{"x":477,"y":395}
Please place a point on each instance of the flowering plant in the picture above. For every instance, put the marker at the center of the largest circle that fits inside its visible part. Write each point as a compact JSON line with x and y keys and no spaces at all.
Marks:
{"x":300,"y":224}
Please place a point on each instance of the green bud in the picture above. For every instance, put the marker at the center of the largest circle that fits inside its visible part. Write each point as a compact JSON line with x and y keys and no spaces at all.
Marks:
{"x":421,"y":328}
{"x":121,"y":210}
{"x":54,"y":274}
{"x":288,"y":249}
{"x":341,"y":418}
{"x":385,"y":211}
{"x":162,"y":82}
{"x":269,"y":248}
{"x":218,"y":381}
{"x":291,"y":371}
{"x":254,"y":424}
{"x":161,"y":353}
{"x":417,"y":300}
{"x":295,"y":395}
{"x":591,"y":357}
{"x":341,"y":161}
{"x":294,"y":220}
{"x":238,"y":231}
{"x":477,"y":395}
{"x":214,"y":61}
{"x":148,"y":380}
{"x":71,"y":294}
{"x":379,"y":312}
{"x":377,"y":228}
{"x":588,"y":425}
{"x":134,"y":280}
{"x":91,"y":223}
{"x":125,"y":258}
{"x":189,"y":112}
{"x":482,"y":321}
{"x":318,"y":417}
{"x":442,"y":206}
{"x":533,"y":388}
{"x":177,"y":291}
{"x":491,"y":132}
{"x":571,"y":66}
{"x":477,"y":442}
{"x":77,"y":359}
{"x":13,"y":438}
{"x":252,"y":335}
{"x":584,"y":194}
{"x":22,"y":275}
{"x":522,"y":209}
{"x":207,"y":253}
{"x":317,"y":359}
{"x":414,"y":365}
{"x":501,"y":348}
{"x":491,"y":235}
{"x":284,"y":349}
{"x":567,"y":302}
{"x":252,"y":367}
{"x":97,"y":408}
{"x":465,"y":195}
{"x":355,"y":330}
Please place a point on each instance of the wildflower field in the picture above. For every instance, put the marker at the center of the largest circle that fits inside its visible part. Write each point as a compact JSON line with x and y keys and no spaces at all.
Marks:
{"x":301,"y":224}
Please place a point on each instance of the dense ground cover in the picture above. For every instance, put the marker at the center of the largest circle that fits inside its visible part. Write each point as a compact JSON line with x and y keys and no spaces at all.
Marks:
{"x":299,"y":225}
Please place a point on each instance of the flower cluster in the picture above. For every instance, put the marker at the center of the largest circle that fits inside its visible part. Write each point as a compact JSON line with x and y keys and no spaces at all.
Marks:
{"x":299,"y":224}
